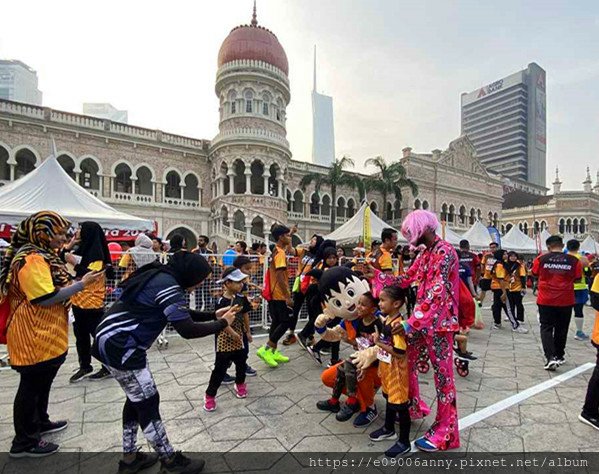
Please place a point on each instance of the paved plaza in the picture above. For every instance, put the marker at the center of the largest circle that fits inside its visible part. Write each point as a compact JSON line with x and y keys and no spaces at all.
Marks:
{"x":280,"y":412}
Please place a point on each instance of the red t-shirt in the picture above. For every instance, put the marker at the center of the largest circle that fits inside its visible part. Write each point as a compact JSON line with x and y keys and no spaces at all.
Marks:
{"x":557,"y":272}
{"x":471,"y":260}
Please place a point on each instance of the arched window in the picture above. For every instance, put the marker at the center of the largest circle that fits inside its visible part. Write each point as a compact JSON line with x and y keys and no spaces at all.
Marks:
{"x":190,"y":239}
{"x":273,"y":183}
{"x":298,"y":202}
{"x":451,"y":215}
{"x":239,"y":220}
{"x":89,"y":177}
{"x":575,"y":226}
{"x":325,"y":209}
{"x":508,"y":227}
{"x":173,"y":185}
{"x":314,"y":204}
{"x":502,"y":229}
{"x":4,"y":166}
{"x":397,"y":209}
{"x":472,"y":218}
{"x":192,"y":188}
{"x":479,"y":215}
{"x":122,"y":180}
{"x":582,"y":226}
{"x":25,"y":162}
{"x":289,"y":202}
{"x":258,"y":227}
{"x":525,"y":228}
{"x":265,"y":104}
{"x":444,"y":212}
{"x":257,"y":180}
{"x":537,"y":228}
{"x":543,"y":225}
{"x":417,"y":204}
{"x":233,"y":101}
{"x":249,"y":100}
{"x":224,"y":170}
{"x":239,"y":181}
{"x":562,"y":226}
{"x":462,"y":215}
{"x":67,"y":164}
{"x":495,"y":219}
{"x":374,"y":207}
{"x":389,"y":213}
{"x":224,"y":215}
{"x":490,"y":218}
{"x":521,"y":227}
{"x":143,"y":185}
{"x":351,"y":207}
{"x":569,"y":226}
{"x":425,"y":205}
{"x":341,"y":207}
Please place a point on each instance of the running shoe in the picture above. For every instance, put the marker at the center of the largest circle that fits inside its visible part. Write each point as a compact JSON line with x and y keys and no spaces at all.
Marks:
{"x":290,"y":339}
{"x":228,"y":380}
{"x":101,"y":374}
{"x":180,"y":464}
{"x":465,"y":356}
{"x":302,"y":341}
{"x":209,"y":403}
{"x":399,"y":449}
{"x":496,"y":326}
{"x":551,"y":365}
{"x":267,"y":356}
{"x":347,"y":411}
{"x":365,"y":418}
{"x":241,"y":390}
{"x":592,"y":421}
{"x":250,"y":371}
{"x":520,"y":330}
{"x":278,"y":357}
{"x":142,"y":461}
{"x":40,"y":450}
{"x":424,"y":444}
{"x":53,"y":427}
{"x":581,"y":336}
{"x":328,"y":405}
{"x":315,"y":354}
{"x":80,"y":375}
{"x":382,"y":434}
{"x":560,"y":360}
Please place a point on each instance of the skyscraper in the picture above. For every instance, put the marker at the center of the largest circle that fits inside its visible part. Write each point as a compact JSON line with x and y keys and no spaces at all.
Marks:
{"x":506,"y":122}
{"x":323,"y":129}
{"x":18,"y":82}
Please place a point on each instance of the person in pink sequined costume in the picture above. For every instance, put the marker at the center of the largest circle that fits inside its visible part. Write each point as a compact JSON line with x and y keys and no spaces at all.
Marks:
{"x":433,"y":324}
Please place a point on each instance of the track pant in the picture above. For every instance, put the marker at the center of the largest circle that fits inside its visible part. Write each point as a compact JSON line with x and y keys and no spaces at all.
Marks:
{"x":280,"y":320}
{"x":30,"y":408}
{"x":444,"y":432}
{"x":314,"y":307}
{"x":591,"y":402}
{"x":555,"y":321}
{"x":298,"y":302}
{"x":498,"y":307}
{"x":142,"y":409}
{"x":516,"y":307}
{"x":222,"y":362}
{"x":84,"y":328}
{"x":335,"y":346}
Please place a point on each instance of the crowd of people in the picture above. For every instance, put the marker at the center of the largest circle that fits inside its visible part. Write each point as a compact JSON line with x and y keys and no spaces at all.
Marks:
{"x":397,"y":306}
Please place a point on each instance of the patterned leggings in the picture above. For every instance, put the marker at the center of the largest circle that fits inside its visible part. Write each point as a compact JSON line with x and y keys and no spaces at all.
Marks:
{"x":142,"y":409}
{"x":444,"y":433}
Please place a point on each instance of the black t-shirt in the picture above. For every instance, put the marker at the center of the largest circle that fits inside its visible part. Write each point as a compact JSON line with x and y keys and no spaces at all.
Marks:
{"x":367,"y":331}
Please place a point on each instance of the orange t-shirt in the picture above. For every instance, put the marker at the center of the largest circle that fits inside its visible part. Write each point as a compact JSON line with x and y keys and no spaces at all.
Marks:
{"x":278,"y":262}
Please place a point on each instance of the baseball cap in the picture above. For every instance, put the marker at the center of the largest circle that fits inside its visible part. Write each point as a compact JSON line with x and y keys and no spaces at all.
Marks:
{"x":232,"y":274}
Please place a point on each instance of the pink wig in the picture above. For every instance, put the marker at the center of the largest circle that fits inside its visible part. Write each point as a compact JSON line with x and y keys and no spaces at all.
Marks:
{"x":417,"y":223}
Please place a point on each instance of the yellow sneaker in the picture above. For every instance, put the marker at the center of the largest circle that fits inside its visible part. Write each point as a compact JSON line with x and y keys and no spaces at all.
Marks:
{"x":267,"y":356}
{"x":278,"y":357}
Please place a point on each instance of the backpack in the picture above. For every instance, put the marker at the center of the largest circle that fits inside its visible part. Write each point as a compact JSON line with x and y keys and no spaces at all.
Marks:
{"x":4,"y":319}
{"x":266,"y":289}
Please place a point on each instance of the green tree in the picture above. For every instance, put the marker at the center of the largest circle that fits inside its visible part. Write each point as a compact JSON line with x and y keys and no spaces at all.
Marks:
{"x":336,"y":177}
{"x":388,"y":180}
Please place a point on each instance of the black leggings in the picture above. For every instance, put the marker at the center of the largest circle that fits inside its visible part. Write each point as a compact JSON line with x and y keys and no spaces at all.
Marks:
{"x":335,"y":346}
{"x":497,"y":308}
{"x":30,"y":408}
{"x":401,"y":413}
{"x":555,"y":321}
{"x":84,"y":328}
{"x":314,"y":307}
{"x":221,"y":363}
{"x":298,"y":302}
{"x":516,"y":306}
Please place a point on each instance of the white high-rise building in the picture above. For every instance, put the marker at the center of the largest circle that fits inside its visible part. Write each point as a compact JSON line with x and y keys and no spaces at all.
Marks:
{"x":105,"y":111}
{"x":323,"y":129}
{"x":18,"y":82}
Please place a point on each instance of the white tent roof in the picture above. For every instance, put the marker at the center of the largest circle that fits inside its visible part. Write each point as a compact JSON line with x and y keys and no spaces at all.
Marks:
{"x":450,"y":236}
{"x":518,"y":241}
{"x":352,"y":232}
{"x":545,"y":234}
{"x":589,"y":245}
{"x":49,"y":187}
{"x":478,"y":236}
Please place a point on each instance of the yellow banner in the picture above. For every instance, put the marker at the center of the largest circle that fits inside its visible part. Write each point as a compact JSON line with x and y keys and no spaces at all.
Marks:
{"x":367,"y":230}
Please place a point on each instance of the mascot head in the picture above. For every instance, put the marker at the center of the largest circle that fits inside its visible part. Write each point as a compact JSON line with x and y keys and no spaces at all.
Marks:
{"x":341,"y":289}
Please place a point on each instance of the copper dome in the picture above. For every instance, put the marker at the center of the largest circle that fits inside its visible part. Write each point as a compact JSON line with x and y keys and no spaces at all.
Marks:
{"x":253,"y":42}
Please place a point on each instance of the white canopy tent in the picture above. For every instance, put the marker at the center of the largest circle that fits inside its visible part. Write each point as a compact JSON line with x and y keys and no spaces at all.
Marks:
{"x":478,"y":236}
{"x":352,"y":232}
{"x":589,"y":245}
{"x":518,"y":241}
{"x":49,"y":187}
{"x":545,"y":234}
{"x":450,"y":236}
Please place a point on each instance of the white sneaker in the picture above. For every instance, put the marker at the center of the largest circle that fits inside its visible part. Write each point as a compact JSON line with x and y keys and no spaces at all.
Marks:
{"x":505,"y":318}
{"x":520,"y":330}
{"x":496,"y":326}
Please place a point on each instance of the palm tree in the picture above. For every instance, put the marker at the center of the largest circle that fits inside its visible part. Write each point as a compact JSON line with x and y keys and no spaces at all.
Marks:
{"x":389,"y":179}
{"x":337,"y":176}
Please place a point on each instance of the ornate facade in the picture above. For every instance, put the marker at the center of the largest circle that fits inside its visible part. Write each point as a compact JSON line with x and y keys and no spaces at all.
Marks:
{"x":244,"y":180}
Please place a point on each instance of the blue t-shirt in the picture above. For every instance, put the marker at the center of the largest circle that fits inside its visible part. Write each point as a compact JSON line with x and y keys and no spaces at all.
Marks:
{"x":465,"y":272}
{"x":123,"y":336}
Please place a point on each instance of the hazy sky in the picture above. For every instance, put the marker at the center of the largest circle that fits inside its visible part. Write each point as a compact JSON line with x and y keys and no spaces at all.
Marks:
{"x":394,"y":68}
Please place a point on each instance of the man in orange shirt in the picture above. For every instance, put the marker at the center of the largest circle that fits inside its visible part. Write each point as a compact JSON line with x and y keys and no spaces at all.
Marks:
{"x":383,"y":259}
{"x":280,"y":304}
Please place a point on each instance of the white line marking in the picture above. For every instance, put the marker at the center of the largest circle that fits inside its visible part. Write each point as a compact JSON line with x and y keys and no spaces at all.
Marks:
{"x":491,"y":410}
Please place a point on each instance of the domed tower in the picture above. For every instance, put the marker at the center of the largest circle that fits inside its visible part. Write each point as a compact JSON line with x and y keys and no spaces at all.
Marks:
{"x":250,"y":155}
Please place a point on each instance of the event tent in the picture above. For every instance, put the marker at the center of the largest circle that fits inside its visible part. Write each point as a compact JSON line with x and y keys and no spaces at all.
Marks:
{"x":545,"y":234}
{"x":450,"y":236}
{"x":518,"y":241}
{"x":352,"y":232}
{"x":49,"y":187}
{"x":589,"y":245}
{"x":478,"y":236}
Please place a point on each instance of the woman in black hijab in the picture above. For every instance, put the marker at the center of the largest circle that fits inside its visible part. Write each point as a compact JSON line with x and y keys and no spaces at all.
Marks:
{"x":152,"y":296}
{"x":92,"y":254}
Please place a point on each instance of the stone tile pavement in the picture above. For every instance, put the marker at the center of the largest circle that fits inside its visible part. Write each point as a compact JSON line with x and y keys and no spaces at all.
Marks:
{"x":280,"y":412}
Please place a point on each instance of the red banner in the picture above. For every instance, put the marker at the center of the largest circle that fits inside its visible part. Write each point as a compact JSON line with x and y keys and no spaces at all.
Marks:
{"x":112,"y":235}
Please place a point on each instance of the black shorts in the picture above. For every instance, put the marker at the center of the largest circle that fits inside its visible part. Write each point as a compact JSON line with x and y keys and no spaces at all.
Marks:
{"x":485,"y":284}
